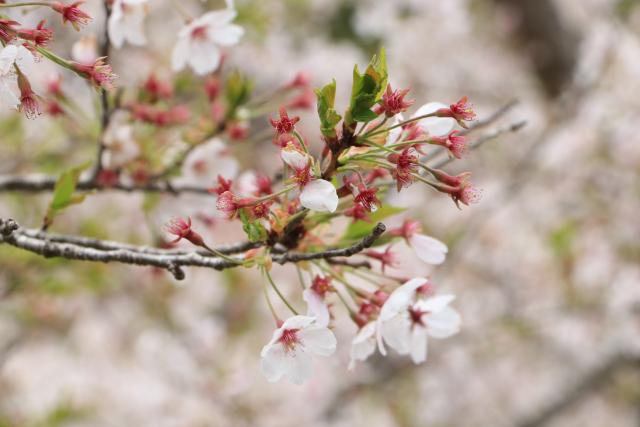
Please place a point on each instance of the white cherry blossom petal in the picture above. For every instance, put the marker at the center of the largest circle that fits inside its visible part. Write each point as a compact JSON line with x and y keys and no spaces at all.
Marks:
{"x":428,"y":249}
{"x":363,"y":344}
{"x":317,"y":307}
{"x":319,"y":195}
{"x":435,"y":126}
{"x":319,"y":340}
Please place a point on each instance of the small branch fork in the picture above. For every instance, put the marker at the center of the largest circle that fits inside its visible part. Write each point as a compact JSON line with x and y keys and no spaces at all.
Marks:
{"x":87,"y":249}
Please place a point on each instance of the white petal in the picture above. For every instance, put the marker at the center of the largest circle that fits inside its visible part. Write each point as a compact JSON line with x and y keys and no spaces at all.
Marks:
{"x":318,"y":340}
{"x":400,"y":299}
{"x":436,"y":303}
{"x":273,"y":363}
{"x":295,"y":158}
{"x":394,"y":133}
{"x":299,"y":366}
{"x":317,"y":307}
{"x":443,"y":324}
{"x":396,"y":332}
{"x":364,"y":344}
{"x":7,"y":58}
{"x":181,"y":53}
{"x":25,"y":60}
{"x":297,"y":322}
{"x":418,"y":345}
{"x":7,"y":97}
{"x":436,"y":126}
{"x":428,"y":249}
{"x":227,"y":35}
{"x":204,"y":57}
{"x":319,"y":195}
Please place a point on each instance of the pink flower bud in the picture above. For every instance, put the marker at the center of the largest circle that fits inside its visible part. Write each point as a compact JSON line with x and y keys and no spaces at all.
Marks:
{"x":28,"y":102}
{"x":182,"y":230}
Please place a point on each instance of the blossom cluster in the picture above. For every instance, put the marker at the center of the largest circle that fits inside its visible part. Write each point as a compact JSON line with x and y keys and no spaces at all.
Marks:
{"x":151,"y":133}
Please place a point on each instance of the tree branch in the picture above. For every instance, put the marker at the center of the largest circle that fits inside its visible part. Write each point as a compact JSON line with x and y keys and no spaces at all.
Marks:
{"x":87,"y":249}
{"x":38,"y":183}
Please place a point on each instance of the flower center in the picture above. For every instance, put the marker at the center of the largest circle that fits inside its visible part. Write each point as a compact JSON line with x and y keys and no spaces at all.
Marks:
{"x":199,"y":32}
{"x":289,"y":339}
{"x":416,"y":316}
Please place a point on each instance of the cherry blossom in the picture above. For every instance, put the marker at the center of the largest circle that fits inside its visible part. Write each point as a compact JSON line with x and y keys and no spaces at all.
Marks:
{"x":289,"y":353}
{"x":405,"y":322}
{"x":200,"y":41}
{"x":126,"y":22}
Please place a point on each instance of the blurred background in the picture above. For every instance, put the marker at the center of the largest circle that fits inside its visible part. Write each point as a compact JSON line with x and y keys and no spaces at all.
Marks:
{"x":546,"y":268}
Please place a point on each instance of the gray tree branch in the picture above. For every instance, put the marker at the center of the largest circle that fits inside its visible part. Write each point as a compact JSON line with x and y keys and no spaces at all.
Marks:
{"x":82,"y":248}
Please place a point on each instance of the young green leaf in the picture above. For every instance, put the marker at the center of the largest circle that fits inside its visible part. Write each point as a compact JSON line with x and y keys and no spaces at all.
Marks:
{"x":254,"y":229}
{"x":367,"y":89}
{"x":329,"y":118}
{"x":63,"y":193}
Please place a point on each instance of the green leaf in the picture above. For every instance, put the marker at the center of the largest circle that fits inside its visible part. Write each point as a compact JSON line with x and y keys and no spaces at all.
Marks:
{"x":63,"y":193}
{"x":367,"y":89}
{"x":329,"y":118}
{"x":254,"y":229}
{"x":237,"y":91}
{"x":358,"y":229}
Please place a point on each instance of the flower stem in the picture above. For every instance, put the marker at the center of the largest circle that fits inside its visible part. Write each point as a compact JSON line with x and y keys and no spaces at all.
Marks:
{"x":275,"y":288}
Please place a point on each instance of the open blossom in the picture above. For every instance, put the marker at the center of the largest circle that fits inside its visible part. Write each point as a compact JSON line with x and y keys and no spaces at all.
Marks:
{"x":427,"y":248}
{"x":289,"y":353}
{"x":200,"y":41}
{"x":405,"y":322}
{"x":317,"y":194}
{"x":72,"y":13}
{"x":126,"y":22}
{"x":9,"y":56}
